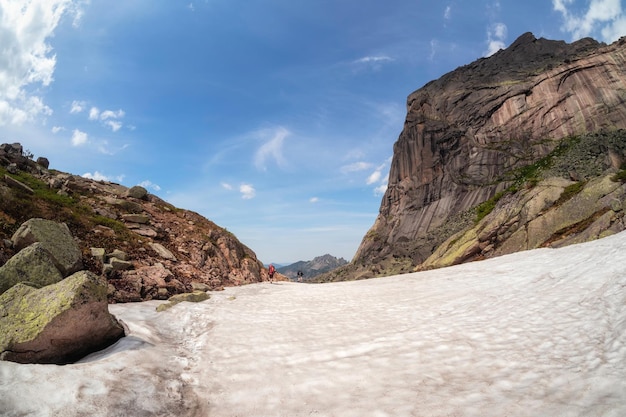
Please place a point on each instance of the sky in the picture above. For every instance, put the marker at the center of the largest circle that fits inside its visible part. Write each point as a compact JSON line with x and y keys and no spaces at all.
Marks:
{"x":275,"y":119}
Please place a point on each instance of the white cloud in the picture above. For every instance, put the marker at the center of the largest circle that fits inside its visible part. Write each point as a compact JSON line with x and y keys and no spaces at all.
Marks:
{"x":96,"y":176}
{"x":150,"y":184}
{"x":77,"y":106}
{"x":272,"y":148}
{"x":57,"y":129}
{"x":314,"y":200}
{"x":374,"y":177}
{"x":355,"y":167}
{"x":94,"y":113}
{"x":496,"y":36}
{"x":108,"y":118}
{"x":110,"y":114}
{"x":227,"y":186}
{"x":26,"y":59}
{"x":247,"y":191}
{"x":115,"y":126}
{"x":79,"y":138}
{"x":603,"y":17}
{"x":380,"y":190}
{"x":374,"y":62}
{"x":447,"y":14}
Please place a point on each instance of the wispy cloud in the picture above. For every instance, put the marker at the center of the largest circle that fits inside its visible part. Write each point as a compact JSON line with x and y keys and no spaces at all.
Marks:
{"x":272,"y":147}
{"x":603,"y":16}
{"x":447,"y":13}
{"x":373,"y":62}
{"x":226,"y":186}
{"x":77,"y":106}
{"x":149,"y":184}
{"x":314,"y":200}
{"x":98,"y":176}
{"x":57,"y":129}
{"x":355,"y":167}
{"x":79,"y":138}
{"x":496,"y":36}
{"x":247,"y":191}
{"x":109,"y":118}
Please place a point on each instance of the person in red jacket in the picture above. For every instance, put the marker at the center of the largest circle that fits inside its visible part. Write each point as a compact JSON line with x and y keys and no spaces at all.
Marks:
{"x":271,"y":270}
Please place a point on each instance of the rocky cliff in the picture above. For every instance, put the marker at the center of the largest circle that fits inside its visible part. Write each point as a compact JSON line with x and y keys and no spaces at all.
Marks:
{"x":144,"y":246}
{"x":467,"y":132}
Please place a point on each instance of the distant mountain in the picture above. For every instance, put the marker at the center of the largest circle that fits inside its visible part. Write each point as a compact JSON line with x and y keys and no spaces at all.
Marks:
{"x":311,"y":269}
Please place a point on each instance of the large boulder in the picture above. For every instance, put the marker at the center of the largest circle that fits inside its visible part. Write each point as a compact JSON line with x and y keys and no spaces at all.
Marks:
{"x":59,"y":323}
{"x":55,"y":238}
{"x":32,"y":265}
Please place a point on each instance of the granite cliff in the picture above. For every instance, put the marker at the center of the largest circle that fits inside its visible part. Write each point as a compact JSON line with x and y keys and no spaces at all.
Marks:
{"x":468,"y":134}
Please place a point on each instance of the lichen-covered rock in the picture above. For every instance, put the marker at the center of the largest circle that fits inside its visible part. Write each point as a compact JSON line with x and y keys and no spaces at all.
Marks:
{"x":59,"y":323}
{"x":532,"y":219}
{"x":55,"y":238}
{"x":32,"y":265}
{"x":192,"y":297}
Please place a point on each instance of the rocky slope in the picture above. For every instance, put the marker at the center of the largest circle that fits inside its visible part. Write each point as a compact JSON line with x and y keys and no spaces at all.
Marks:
{"x":468,"y":133}
{"x":147,"y":248}
{"x":311,"y":269}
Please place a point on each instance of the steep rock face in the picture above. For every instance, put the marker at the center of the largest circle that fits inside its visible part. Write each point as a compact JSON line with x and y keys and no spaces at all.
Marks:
{"x":464,"y":131}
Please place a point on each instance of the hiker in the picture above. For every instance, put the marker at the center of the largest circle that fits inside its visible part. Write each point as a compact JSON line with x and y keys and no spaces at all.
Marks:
{"x":271,"y":270}
{"x":300,"y":274}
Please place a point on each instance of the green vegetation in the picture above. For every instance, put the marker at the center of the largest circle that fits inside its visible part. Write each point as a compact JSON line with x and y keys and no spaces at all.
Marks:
{"x":620,"y":176}
{"x":570,"y":191}
{"x":486,"y":207}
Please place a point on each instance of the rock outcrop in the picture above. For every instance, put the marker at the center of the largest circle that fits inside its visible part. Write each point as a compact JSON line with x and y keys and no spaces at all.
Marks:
{"x":58,"y":323}
{"x":166,"y":248}
{"x":467,"y":130}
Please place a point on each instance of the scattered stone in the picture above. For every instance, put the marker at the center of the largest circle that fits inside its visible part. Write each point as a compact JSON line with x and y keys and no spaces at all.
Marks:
{"x":136,"y":218}
{"x":200,"y":286}
{"x":162,"y":251}
{"x":193,"y":297}
{"x":98,"y":253}
{"x":118,"y":254}
{"x":13,"y":183}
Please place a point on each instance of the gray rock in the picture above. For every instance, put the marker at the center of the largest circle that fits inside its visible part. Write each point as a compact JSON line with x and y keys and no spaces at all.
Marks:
{"x":162,"y":251}
{"x":55,"y":238}
{"x":43,"y":162}
{"x":137,"y":192}
{"x":59,"y":323}
{"x":31,"y":265}
{"x":136,"y":218}
{"x":13,"y":183}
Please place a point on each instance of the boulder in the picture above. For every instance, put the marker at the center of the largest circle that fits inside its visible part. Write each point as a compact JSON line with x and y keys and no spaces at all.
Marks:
{"x":55,"y":238}
{"x":137,"y":192}
{"x":162,"y":251}
{"x":59,"y":323}
{"x":32,"y":265}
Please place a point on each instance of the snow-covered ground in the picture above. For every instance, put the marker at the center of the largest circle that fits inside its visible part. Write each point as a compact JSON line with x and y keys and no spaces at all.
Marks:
{"x":538,"y":333}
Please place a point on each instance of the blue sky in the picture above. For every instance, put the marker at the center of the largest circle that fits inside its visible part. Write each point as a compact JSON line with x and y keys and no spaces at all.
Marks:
{"x":275,"y":119}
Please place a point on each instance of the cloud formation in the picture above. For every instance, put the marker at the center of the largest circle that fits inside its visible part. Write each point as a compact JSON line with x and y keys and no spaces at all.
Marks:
{"x":496,"y":36}
{"x":605,"y":17}
{"x":109,"y":118}
{"x":272,"y":148}
{"x":247,"y":191}
{"x":26,"y":59}
{"x":79,"y":138}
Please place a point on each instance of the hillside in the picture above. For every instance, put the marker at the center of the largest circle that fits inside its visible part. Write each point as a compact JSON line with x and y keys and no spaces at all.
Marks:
{"x":170,"y":249}
{"x":485,"y":130}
